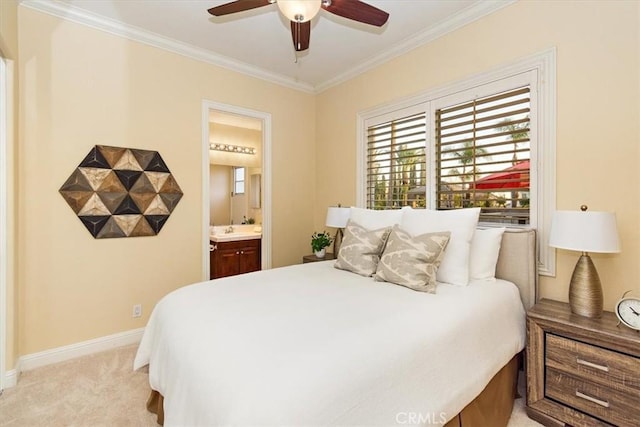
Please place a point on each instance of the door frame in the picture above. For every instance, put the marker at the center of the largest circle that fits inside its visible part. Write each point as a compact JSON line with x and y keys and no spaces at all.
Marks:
{"x":265,"y":118}
{"x":6,"y":133}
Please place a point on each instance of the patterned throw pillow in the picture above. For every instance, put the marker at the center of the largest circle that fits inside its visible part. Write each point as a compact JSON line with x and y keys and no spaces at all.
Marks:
{"x":412,"y":261}
{"x":361,"y":248}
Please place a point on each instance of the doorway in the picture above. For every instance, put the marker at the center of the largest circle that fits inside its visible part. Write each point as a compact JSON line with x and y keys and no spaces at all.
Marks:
{"x":242,"y":171}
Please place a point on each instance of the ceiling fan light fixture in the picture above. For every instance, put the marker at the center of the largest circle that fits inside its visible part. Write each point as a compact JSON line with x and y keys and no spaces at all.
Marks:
{"x":299,"y":10}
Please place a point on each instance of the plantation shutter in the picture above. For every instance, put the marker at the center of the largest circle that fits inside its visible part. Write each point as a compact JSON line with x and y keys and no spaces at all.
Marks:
{"x":483,"y":156}
{"x":396,"y":163}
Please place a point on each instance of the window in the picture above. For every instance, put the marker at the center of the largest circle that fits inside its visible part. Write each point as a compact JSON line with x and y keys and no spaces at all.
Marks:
{"x":483,"y":156}
{"x":487,"y":141}
{"x":396,"y":165}
{"x":238,"y":181}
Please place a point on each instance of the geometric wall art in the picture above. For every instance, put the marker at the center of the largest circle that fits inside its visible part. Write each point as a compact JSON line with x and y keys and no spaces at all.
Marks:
{"x":122,"y":192}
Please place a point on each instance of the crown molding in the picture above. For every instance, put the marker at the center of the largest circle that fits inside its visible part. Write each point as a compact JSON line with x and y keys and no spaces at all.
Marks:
{"x":80,"y":16}
{"x":466,"y":16}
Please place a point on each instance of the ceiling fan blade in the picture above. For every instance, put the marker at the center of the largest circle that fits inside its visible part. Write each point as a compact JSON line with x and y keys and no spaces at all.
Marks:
{"x":301,"y":33}
{"x":238,"y":6}
{"x":358,"y":11}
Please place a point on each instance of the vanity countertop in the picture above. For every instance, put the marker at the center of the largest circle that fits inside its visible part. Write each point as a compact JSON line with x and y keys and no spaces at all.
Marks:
{"x":232,"y":237}
{"x":240,"y":232}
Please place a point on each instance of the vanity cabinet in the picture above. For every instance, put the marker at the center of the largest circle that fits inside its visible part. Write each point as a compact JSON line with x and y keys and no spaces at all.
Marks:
{"x":235,"y":257}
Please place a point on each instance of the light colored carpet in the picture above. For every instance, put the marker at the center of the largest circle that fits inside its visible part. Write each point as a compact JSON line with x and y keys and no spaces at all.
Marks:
{"x":101,"y":390}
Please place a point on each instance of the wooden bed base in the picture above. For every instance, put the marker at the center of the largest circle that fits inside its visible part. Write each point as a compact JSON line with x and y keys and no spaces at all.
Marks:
{"x":492,"y":407}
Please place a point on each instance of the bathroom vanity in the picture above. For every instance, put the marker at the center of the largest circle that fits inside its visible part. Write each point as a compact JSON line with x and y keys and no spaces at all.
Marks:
{"x":236,"y":251}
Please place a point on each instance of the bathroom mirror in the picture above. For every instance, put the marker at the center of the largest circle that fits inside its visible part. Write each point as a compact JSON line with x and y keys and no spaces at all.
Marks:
{"x":235,"y":194}
{"x":254,"y":186}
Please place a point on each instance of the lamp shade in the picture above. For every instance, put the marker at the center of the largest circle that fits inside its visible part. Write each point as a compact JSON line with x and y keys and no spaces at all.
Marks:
{"x":299,"y":10}
{"x":585,"y":231}
{"x":337,"y":217}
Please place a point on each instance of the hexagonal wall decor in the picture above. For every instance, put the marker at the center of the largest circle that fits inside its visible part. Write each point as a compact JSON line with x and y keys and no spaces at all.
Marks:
{"x":122,"y":192}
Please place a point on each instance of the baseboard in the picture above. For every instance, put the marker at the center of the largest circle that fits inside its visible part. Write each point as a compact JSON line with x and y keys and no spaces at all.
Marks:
{"x":10,"y":378}
{"x":67,"y":352}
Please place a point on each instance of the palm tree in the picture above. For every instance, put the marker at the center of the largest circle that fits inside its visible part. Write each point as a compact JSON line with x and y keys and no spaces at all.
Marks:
{"x":406,"y":171}
{"x":517,"y":132}
{"x":380,"y":193}
{"x":466,"y":156}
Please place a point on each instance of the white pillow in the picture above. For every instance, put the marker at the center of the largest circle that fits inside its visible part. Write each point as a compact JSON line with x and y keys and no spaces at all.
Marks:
{"x":462,"y":223}
{"x":372,"y":219}
{"x":485,"y":248}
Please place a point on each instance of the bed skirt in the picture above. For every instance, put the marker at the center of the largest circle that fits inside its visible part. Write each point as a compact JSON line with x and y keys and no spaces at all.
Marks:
{"x":155,"y":405}
{"x":492,"y":407}
{"x":494,"y":404}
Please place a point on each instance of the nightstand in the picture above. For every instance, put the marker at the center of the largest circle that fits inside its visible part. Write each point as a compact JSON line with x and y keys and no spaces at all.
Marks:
{"x":312,"y":258}
{"x":581,"y":371}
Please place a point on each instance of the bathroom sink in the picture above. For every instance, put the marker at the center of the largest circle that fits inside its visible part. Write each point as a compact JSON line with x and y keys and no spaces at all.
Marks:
{"x":238,"y":232}
{"x":235,"y":236}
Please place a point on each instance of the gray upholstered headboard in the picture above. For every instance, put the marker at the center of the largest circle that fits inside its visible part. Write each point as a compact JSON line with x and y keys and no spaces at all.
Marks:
{"x":517,"y":263}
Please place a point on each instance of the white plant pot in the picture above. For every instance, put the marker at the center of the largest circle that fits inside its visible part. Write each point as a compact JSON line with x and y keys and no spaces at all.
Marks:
{"x":321,"y":253}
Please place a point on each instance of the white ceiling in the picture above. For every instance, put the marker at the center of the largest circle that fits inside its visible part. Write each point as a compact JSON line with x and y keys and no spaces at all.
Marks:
{"x":258,"y":42}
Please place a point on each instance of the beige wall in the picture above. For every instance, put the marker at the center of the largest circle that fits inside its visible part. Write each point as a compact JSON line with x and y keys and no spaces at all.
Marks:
{"x":82,"y":87}
{"x":9,"y":28}
{"x":219,"y":199}
{"x":598,"y":136}
{"x":9,"y":51}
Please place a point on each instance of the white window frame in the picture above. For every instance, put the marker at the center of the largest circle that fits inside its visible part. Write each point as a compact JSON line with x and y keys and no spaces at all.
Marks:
{"x":539,"y":71}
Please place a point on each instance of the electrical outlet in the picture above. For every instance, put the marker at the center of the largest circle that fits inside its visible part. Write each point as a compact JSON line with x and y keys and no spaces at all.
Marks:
{"x":137,"y":310}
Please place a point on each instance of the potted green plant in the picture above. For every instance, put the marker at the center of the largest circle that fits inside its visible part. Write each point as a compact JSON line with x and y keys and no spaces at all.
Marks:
{"x":319,"y":243}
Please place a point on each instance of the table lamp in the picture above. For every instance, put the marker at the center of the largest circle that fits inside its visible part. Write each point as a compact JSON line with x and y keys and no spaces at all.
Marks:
{"x":337,"y":217}
{"x":585,"y":231}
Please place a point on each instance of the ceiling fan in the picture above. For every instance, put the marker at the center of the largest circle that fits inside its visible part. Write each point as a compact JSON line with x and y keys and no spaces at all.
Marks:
{"x":300,"y":13}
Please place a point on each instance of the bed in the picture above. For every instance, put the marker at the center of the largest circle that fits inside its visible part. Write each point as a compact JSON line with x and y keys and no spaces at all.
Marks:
{"x":314,"y":345}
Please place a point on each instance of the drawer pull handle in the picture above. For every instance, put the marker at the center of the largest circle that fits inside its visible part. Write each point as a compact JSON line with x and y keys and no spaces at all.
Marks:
{"x":592,"y":365}
{"x":602,"y":403}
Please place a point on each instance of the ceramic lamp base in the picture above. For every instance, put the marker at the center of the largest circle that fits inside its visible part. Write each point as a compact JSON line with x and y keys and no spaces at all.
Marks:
{"x":585,"y":290}
{"x":337,"y":241}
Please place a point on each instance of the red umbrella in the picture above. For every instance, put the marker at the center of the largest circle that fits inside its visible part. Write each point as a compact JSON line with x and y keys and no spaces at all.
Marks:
{"x":516,"y":176}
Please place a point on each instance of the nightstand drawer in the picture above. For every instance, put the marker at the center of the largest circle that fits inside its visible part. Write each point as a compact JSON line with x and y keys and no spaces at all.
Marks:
{"x":612,"y":406}
{"x":608,"y":368}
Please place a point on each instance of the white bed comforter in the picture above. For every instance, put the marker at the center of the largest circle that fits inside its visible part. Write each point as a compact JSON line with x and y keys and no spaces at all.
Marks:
{"x":313,"y":345}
